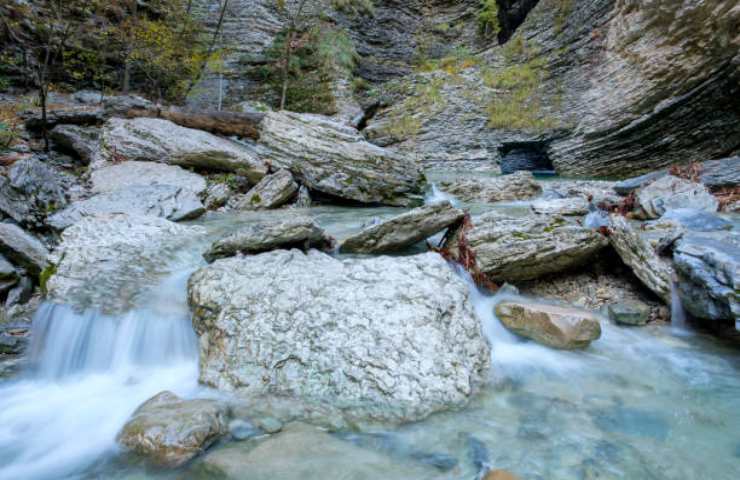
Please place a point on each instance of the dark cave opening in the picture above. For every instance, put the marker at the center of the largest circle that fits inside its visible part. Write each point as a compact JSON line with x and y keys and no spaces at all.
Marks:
{"x":530,"y":156}
{"x":511,"y":14}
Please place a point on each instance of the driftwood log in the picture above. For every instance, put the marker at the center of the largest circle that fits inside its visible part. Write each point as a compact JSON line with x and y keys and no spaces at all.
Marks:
{"x":229,"y":124}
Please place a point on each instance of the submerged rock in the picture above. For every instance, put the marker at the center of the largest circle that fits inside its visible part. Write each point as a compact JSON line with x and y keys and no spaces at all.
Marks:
{"x":334,"y":159}
{"x":169,"y":431}
{"x":511,"y":249}
{"x":636,"y":251}
{"x":404,"y":230}
{"x":301,"y":451}
{"x":272,"y":191}
{"x":22,"y":248}
{"x":371,"y":336}
{"x":166,"y":201}
{"x":299,"y":232}
{"x":565,"y":328}
{"x":517,"y":186}
{"x":112,"y":253}
{"x":133,"y":173}
{"x":629,"y":313}
{"x":157,"y":140}
{"x":671,"y":192}
{"x":708,"y":267}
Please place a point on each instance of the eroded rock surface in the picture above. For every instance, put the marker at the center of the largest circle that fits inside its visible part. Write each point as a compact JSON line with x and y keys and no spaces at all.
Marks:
{"x":517,"y":186}
{"x":708,"y":266}
{"x":511,"y":249}
{"x":335,"y":160}
{"x":169,"y":431}
{"x":371,"y":336}
{"x":671,"y":192}
{"x":298,"y":232}
{"x":157,"y":140}
{"x":404,"y":230}
{"x":22,"y":248}
{"x":134,"y":173}
{"x":272,"y":191}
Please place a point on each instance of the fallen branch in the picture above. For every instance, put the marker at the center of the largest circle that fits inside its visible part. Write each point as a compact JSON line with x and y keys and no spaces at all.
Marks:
{"x":230,"y":124}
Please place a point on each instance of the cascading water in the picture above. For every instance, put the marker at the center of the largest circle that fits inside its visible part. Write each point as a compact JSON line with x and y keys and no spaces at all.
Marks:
{"x":436,"y":195}
{"x":88,"y":372}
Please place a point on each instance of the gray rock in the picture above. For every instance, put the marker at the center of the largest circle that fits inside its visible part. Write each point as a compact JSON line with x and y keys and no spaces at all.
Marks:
{"x":629,"y":313}
{"x":637,"y":253}
{"x":272,"y":191}
{"x":696,"y":220}
{"x":166,"y":201}
{"x":298,"y":232}
{"x":299,"y":452}
{"x":127,"y":174}
{"x":708,"y":267}
{"x":120,"y":105}
{"x":157,"y":140}
{"x":566,"y":328}
{"x":32,"y":190}
{"x":564,"y":206}
{"x":83,"y":141}
{"x":303,"y":200}
{"x":625,"y":187}
{"x":671,"y":192}
{"x":371,"y":336}
{"x":517,"y":186}
{"x":169,"y":431}
{"x":335,"y":159}
{"x":404,"y":230}
{"x":113,"y":253}
{"x":21,"y":293}
{"x":7,"y":270}
{"x":512,"y":249}
{"x":88,"y":97}
{"x":721,"y":173}
{"x":217,"y":195}
{"x":22,"y":248}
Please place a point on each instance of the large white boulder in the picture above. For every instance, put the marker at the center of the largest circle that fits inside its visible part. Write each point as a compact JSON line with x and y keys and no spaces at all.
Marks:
{"x":382,"y":338}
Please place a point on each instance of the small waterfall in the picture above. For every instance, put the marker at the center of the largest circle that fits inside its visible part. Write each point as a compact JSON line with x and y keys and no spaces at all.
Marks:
{"x":88,"y":373}
{"x":678,"y":314}
{"x":435,"y":195}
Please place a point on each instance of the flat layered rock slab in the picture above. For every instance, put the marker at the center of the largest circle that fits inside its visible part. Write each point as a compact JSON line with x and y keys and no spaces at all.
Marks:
{"x":157,"y":140}
{"x":134,"y":173}
{"x":337,"y":161}
{"x":371,"y":336}
{"x":512,"y":249}
{"x":556,"y":326}
{"x":272,"y":191}
{"x":669,"y":192}
{"x":637,"y":252}
{"x":404,"y":230}
{"x":165,"y":201}
{"x":22,"y":248}
{"x":300,"y":232}
{"x":517,"y":186}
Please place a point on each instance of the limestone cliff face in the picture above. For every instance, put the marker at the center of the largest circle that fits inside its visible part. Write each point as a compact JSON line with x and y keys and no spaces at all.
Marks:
{"x":624,"y":85}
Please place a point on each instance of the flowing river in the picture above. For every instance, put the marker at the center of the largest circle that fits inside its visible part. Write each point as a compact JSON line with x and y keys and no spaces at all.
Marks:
{"x":640,"y":403}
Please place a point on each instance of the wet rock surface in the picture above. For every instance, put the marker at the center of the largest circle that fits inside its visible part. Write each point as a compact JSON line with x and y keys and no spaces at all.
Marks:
{"x":166,"y":201}
{"x":169,"y":431}
{"x":112,"y":253}
{"x":428,"y":353}
{"x":22,"y":248}
{"x":671,"y":192}
{"x":628,"y":313}
{"x":511,"y":249}
{"x":299,"y":232}
{"x":517,"y":186}
{"x":556,"y":326}
{"x":708,"y":267}
{"x":404,"y":230}
{"x":294,"y":453}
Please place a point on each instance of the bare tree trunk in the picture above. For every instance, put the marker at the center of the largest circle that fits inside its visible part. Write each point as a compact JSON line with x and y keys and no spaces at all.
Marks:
{"x":286,"y":67}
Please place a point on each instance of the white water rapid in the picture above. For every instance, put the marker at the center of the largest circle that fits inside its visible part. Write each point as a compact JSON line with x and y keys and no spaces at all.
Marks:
{"x":88,"y":373}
